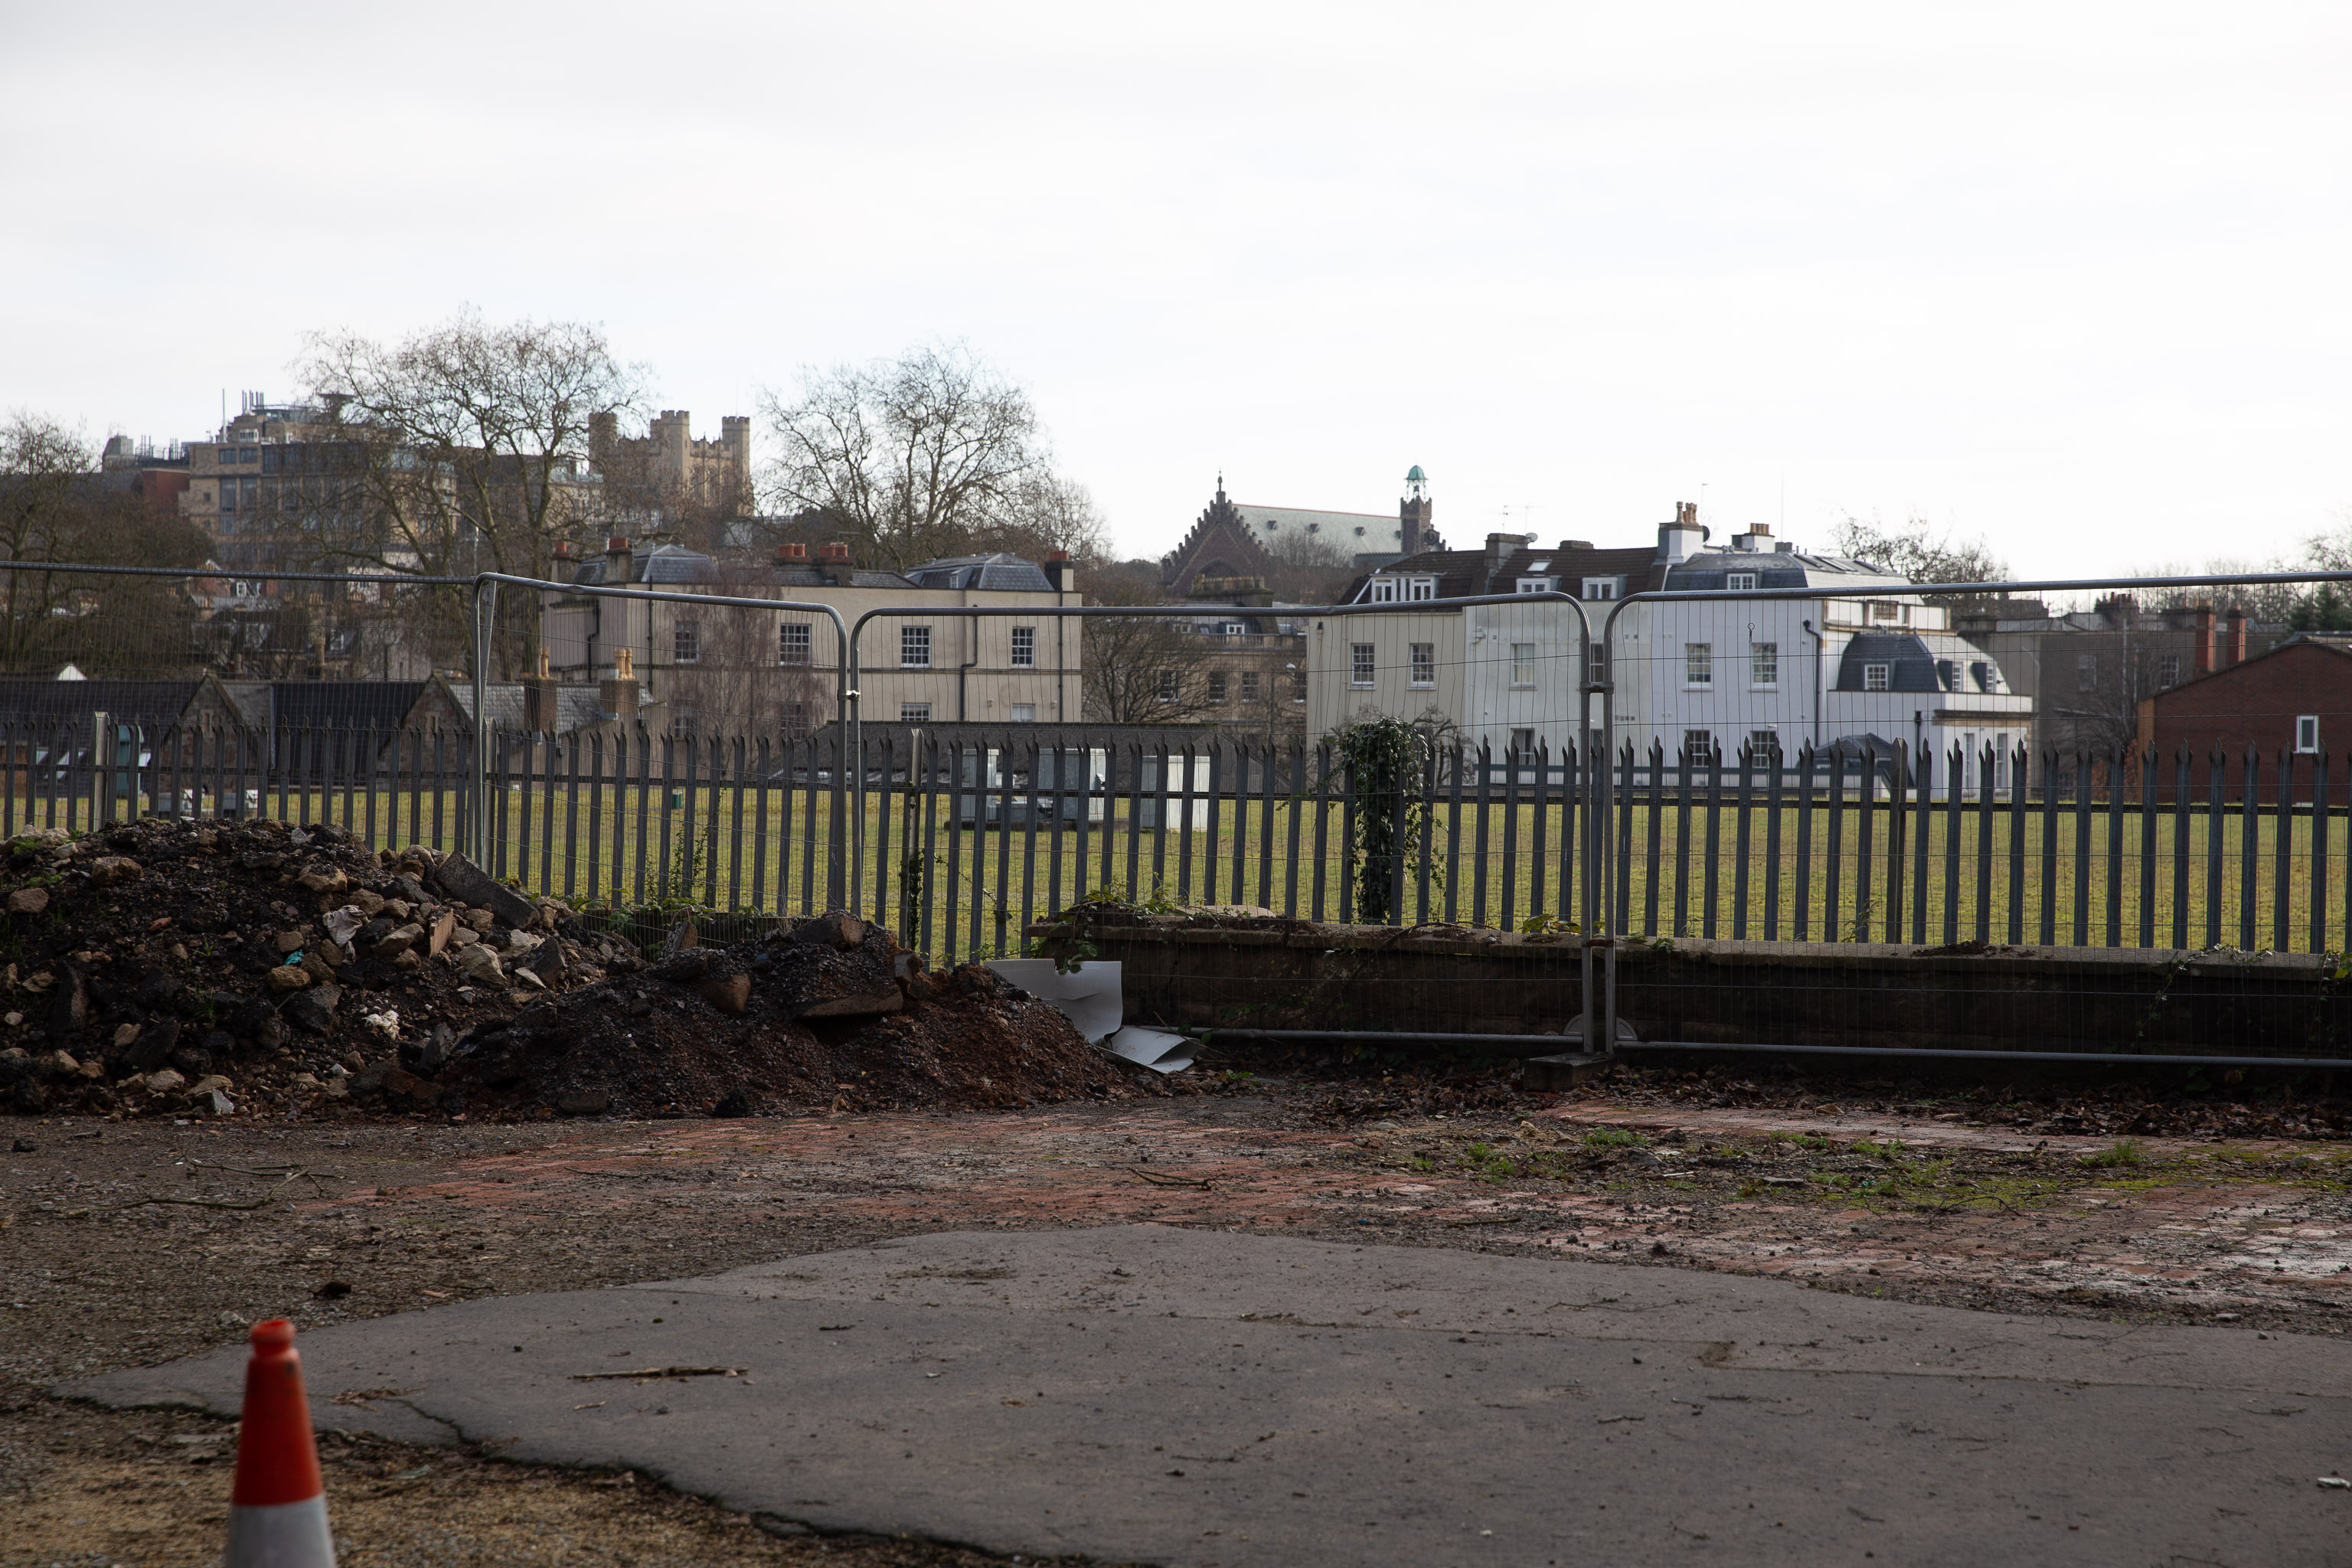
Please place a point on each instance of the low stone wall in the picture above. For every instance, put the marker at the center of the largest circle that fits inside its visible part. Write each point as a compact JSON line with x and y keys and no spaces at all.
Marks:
{"x":1289,"y":975}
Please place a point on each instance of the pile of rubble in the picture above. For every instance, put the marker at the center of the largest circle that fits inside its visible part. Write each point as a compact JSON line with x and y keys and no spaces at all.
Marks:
{"x":225,"y":969}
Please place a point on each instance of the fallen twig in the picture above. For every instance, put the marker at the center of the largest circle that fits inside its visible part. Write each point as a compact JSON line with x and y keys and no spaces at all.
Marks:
{"x":660,"y":1371}
{"x":1160,"y":1181}
{"x":263,"y":1202}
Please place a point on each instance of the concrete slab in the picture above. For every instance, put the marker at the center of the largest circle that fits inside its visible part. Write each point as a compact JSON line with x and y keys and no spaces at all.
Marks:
{"x":1191,"y":1397}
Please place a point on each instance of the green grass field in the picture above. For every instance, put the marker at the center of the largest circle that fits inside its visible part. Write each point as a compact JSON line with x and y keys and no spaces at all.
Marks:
{"x":2112,"y":877}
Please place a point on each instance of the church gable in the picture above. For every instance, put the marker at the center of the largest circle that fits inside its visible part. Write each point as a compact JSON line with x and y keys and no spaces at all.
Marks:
{"x":1218,"y":545}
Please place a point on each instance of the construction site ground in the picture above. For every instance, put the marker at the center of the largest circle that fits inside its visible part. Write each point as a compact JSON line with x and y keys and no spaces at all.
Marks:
{"x":134,"y":1242}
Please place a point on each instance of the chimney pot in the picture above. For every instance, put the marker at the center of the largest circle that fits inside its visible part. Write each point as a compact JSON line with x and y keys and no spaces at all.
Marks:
{"x":834,"y":552}
{"x":792,"y":554}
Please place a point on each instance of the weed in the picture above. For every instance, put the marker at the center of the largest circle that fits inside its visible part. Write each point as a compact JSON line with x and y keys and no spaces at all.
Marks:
{"x":1890,"y":1151}
{"x":2123,"y":1152}
{"x":1614,"y":1138}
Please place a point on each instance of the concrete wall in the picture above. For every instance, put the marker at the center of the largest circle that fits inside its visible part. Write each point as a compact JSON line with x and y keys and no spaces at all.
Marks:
{"x":1278,"y":974}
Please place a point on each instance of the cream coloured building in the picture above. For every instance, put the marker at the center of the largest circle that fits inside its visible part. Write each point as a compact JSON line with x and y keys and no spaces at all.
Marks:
{"x":734,"y":670}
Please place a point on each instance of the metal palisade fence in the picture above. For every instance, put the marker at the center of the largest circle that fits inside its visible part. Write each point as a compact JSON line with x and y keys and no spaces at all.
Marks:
{"x":1838,"y":769}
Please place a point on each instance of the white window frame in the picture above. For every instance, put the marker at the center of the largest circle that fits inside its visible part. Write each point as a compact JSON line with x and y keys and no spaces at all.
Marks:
{"x":2168,"y":671}
{"x":2307,"y":734}
{"x":1740,"y":582}
{"x":1024,"y":647}
{"x":1699,"y":666}
{"x":1600,"y":590}
{"x":1523,"y":666}
{"x":685,"y":642}
{"x":1218,"y":686}
{"x":791,"y":649}
{"x":914,"y":712}
{"x":1363,"y":663}
{"x":1764,"y":666}
{"x":1388,"y":590}
{"x":1169,"y":687}
{"x":1877,"y":677}
{"x":1764,"y":742}
{"x":1700,"y":753}
{"x":1417,"y":589}
{"x":914,"y":647}
{"x":1249,"y":686}
{"x":1538,"y":584}
{"x":1024,"y":712}
{"x":1424,"y":666}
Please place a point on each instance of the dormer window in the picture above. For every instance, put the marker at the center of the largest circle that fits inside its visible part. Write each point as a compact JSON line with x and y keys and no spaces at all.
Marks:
{"x":1603,"y":587}
{"x":1388,"y":590}
{"x":1740,"y":582}
{"x":1538,"y":584}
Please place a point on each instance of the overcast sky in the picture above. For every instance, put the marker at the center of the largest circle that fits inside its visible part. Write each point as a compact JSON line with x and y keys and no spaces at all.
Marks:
{"x":2071,"y":276}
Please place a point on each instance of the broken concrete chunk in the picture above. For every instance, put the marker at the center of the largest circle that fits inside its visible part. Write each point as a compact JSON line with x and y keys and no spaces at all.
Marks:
{"x":480,"y":962}
{"x":313,"y":1010}
{"x":291,"y":941}
{"x":398,"y":939}
{"x":288,"y":977}
{"x":324,"y":879}
{"x":165,"y":1081}
{"x":108,"y":869}
{"x":443,"y":930}
{"x":28,"y":900}
{"x":467,"y":883}
{"x":837,"y":929}
{"x":153,"y":1046}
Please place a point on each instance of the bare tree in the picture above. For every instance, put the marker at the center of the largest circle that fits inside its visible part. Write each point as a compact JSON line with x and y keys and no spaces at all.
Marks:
{"x":1917,"y":549}
{"x":739,"y":685}
{"x":463,"y":449}
{"x":1308,"y":568}
{"x":929,"y":455}
{"x":55,"y":506}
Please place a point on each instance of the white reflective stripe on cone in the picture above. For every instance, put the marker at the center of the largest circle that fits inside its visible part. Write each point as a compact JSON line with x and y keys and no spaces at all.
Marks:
{"x":287,"y":1535}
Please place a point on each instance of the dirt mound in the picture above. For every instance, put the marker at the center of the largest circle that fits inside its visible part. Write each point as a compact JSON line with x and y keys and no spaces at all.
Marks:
{"x":225,"y":968}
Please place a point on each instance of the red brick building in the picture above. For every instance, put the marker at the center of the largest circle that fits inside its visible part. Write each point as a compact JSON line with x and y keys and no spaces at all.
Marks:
{"x":2290,"y":705}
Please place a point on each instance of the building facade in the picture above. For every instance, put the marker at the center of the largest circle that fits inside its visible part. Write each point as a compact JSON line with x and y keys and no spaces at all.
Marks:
{"x":729,"y":670}
{"x":1837,"y":664}
{"x":2288,"y":707}
{"x":2090,"y":671}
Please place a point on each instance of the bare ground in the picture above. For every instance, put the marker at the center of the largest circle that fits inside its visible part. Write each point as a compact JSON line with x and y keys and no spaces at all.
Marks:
{"x":1967,"y":1200}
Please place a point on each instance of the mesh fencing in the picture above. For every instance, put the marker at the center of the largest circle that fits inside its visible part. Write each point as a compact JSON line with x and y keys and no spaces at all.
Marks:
{"x":1779,"y":820}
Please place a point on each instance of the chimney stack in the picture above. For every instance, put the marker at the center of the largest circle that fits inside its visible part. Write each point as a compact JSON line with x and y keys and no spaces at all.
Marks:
{"x":539,"y":694}
{"x":617,"y":694}
{"x":1680,"y":540}
{"x":617,"y":560}
{"x":792,"y":554}
{"x":1501,"y":547}
{"x":2204,"y":651}
{"x":1059,"y":570}
{"x":2237,"y":634}
{"x":833,"y":560}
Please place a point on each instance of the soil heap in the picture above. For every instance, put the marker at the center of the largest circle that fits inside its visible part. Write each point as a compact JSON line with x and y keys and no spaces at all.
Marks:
{"x":223,"y":968}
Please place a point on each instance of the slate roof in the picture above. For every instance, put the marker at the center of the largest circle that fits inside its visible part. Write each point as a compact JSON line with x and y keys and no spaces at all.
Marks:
{"x":576,"y":707}
{"x":1919,"y":661}
{"x":42,"y":702}
{"x":1465,"y":574}
{"x":990,"y":574}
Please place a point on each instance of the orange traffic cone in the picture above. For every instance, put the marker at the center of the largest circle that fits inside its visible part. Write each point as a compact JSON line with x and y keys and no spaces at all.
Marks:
{"x":277,"y":1511}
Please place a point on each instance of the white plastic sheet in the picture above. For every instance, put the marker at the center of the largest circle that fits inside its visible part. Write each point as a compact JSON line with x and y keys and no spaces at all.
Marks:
{"x":1090,"y":997}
